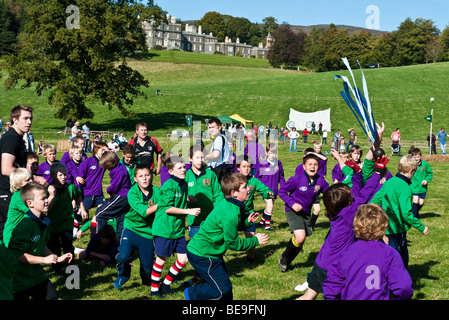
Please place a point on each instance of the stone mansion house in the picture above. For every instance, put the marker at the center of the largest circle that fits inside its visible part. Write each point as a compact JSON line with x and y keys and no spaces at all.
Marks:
{"x":170,"y":36}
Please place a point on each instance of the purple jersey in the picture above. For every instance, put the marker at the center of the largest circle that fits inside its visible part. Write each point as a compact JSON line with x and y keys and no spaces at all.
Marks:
{"x":341,"y":234}
{"x":92,"y":174}
{"x":120,"y":181}
{"x":299,"y":189}
{"x":368,"y":270}
{"x":66,"y":157}
{"x":72,"y":173}
{"x":44,"y":171}
{"x":337,"y":174}
{"x":271,"y":175}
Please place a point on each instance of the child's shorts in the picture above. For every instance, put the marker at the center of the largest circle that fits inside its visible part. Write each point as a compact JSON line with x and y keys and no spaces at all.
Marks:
{"x":420,"y":195}
{"x":90,"y":202}
{"x":299,"y":221}
{"x":166,"y":247}
{"x":316,"y":278}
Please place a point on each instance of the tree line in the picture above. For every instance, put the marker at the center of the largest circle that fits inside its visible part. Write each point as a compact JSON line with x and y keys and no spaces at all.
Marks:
{"x":414,"y":42}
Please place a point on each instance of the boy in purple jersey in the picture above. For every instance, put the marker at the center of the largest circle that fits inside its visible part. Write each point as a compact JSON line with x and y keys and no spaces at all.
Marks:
{"x":341,"y":205}
{"x":299,"y":194}
{"x":78,"y":141}
{"x":49,"y":153}
{"x":369,"y":269}
{"x":90,"y":177}
{"x":271,"y":173}
{"x":117,"y":205}
{"x":322,"y":171}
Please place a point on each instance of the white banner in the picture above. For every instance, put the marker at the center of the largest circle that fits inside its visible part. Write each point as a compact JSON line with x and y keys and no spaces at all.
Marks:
{"x":304,"y":120}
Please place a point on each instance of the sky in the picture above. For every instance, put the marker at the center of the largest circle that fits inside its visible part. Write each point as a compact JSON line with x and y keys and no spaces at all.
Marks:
{"x":384,"y":15}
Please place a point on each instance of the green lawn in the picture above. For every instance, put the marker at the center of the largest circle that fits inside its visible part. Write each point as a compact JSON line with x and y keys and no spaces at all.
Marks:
{"x":208,"y":86}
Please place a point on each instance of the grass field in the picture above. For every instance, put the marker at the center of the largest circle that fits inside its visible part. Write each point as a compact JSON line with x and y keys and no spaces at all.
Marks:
{"x":218,"y":85}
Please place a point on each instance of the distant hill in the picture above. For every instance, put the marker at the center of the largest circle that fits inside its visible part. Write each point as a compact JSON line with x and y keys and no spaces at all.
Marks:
{"x":308,"y":29}
{"x":351,"y":29}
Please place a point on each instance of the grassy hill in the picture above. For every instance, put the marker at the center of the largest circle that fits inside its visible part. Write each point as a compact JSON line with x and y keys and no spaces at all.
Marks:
{"x":209,"y":85}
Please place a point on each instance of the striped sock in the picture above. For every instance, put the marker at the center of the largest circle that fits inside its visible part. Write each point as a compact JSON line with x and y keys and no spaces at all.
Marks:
{"x":156,"y":277}
{"x":173,"y":272}
{"x":267,"y":217}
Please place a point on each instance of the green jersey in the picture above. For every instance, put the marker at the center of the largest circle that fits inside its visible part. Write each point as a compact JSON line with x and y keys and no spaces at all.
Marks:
{"x":8,"y":264}
{"x":207,"y":191}
{"x":395,"y":197}
{"x":130,"y":168}
{"x":137,"y":219}
{"x":220,"y":232}
{"x":254,"y":185}
{"x":16,"y":211}
{"x":424,"y":172}
{"x":172,"y":194}
{"x":61,"y":212}
{"x":29,"y":236}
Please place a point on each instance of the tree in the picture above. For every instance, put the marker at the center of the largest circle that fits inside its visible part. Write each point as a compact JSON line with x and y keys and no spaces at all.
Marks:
{"x":288,"y":47}
{"x":213,"y":22}
{"x":86,"y":64}
{"x":7,"y":35}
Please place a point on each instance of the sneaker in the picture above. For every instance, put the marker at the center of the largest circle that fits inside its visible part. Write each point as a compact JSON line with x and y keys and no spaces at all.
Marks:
{"x":269,"y":229}
{"x":165,"y":289}
{"x":119,"y":282}
{"x":261,"y":225}
{"x":156,"y":294}
{"x":282,"y":266}
{"x":302,"y":287}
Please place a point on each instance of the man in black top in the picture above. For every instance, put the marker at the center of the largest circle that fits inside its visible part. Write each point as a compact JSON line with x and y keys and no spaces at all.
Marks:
{"x":13,"y":155}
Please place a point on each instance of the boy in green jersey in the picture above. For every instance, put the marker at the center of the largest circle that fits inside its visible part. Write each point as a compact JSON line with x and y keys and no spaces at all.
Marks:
{"x":27,"y":244}
{"x":60,"y":210}
{"x":218,"y":233}
{"x":244,"y":166}
{"x":169,"y":226}
{"x":395,"y":197}
{"x":204,"y":190}
{"x":420,"y":181}
{"x":137,"y":234}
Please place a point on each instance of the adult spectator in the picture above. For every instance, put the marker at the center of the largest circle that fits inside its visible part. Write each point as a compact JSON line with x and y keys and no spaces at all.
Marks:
{"x":261,"y":132}
{"x":13,"y":155}
{"x":433,"y":146}
{"x":218,"y":157}
{"x":121,"y":140}
{"x":442,"y":139}
{"x":337,"y":138}
{"x":352,"y":139}
{"x":113,"y":146}
{"x":29,"y":141}
{"x":305,"y":134}
{"x":7,"y":127}
{"x":75,"y":130}
{"x":396,"y":138}
{"x":85,"y":131}
{"x":145,"y":147}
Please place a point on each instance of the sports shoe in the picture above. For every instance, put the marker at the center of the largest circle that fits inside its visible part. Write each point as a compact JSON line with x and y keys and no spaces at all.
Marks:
{"x":282,"y":265}
{"x":119,"y":282}
{"x":165,"y":289}
{"x":302,"y":287}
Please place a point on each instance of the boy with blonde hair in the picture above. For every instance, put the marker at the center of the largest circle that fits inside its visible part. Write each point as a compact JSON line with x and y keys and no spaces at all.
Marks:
{"x":49,"y":153}
{"x":395,"y":197}
{"x":369,"y":269}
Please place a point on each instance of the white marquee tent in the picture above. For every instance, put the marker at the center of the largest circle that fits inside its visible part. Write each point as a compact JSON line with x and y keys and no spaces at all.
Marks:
{"x":302,"y":120}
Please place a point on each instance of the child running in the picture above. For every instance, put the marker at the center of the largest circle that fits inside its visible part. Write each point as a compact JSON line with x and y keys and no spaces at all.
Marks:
{"x":117,"y":205}
{"x":169,"y":226}
{"x":299,"y":194}
{"x":420,"y":181}
{"x":271,"y":174}
{"x":219,"y":233}
{"x":369,"y":269}
{"x":137,"y":233}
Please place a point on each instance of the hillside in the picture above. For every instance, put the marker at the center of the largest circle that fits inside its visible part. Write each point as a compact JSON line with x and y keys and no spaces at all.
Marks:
{"x":400,"y":96}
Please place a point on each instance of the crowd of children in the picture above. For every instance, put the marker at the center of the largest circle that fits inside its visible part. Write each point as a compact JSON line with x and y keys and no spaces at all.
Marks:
{"x":369,"y":211}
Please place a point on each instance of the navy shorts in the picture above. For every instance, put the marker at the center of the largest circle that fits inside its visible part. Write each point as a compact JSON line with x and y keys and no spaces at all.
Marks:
{"x":420,"y":195}
{"x":90,"y":202}
{"x":166,"y":247}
